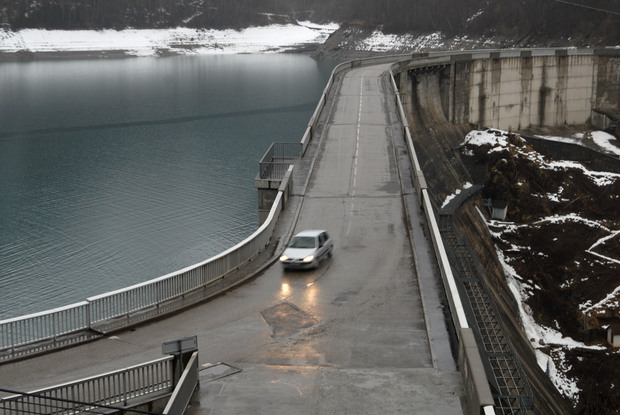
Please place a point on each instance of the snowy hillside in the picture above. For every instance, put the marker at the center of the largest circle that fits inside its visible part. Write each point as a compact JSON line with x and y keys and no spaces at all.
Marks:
{"x":154,"y":42}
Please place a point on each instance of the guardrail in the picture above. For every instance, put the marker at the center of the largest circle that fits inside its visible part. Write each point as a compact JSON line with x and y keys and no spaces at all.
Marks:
{"x":127,"y":387}
{"x":456,"y":306}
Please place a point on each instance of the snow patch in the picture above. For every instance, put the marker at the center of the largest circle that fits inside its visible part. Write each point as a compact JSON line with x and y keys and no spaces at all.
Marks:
{"x":541,"y":337}
{"x":457,"y":192}
{"x":600,"y":138}
{"x":603,"y":139}
{"x":150,"y":42}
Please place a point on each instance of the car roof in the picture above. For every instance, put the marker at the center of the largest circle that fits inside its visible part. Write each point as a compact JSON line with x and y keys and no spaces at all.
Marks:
{"x":310,"y":232}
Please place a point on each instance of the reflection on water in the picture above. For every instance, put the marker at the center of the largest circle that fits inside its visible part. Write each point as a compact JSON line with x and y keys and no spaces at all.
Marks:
{"x":114,"y":172}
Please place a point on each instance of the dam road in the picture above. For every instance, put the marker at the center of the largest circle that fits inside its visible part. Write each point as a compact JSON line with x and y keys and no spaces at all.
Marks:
{"x":364,"y":333}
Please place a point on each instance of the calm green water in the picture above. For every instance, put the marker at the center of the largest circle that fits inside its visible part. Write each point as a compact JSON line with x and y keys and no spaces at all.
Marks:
{"x":114,"y":172}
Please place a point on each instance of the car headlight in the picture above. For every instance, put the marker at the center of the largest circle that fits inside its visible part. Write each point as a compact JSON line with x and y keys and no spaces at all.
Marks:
{"x":283,"y":258}
{"x":309,"y":258}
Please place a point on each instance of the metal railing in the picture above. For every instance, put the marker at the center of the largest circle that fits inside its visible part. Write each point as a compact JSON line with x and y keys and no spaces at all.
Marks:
{"x":44,"y":330}
{"x":276,"y":160}
{"x":125,"y":388}
{"x":184,"y":389}
{"x":35,"y":333}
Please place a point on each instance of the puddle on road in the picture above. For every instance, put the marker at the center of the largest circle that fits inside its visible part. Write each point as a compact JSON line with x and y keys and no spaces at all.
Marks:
{"x":286,"y":319}
{"x":343,"y":297}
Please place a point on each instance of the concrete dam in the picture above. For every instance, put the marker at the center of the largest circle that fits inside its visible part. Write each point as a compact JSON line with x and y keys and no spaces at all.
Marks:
{"x":450,"y":93}
{"x":445,"y":96}
{"x":514,"y":90}
{"x":431,"y":287}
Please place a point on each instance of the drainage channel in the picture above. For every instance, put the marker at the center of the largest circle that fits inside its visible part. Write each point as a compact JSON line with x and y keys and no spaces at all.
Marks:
{"x":509,"y":385}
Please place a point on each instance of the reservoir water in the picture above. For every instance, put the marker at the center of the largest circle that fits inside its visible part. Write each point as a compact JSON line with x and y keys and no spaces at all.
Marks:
{"x":114,"y":172}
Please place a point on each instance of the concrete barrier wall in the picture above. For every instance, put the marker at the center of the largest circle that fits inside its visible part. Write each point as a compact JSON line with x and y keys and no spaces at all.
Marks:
{"x":479,"y":397}
{"x":474,"y":377}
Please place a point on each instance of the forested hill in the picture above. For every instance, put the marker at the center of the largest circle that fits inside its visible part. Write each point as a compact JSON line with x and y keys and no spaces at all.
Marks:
{"x":596,"y":20}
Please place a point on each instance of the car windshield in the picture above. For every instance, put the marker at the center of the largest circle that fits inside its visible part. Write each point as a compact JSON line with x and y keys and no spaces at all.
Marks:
{"x":303,"y":242}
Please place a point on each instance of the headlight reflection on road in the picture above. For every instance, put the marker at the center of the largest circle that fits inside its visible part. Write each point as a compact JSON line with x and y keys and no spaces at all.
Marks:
{"x":285,"y":289}
{"x":311,"y":293}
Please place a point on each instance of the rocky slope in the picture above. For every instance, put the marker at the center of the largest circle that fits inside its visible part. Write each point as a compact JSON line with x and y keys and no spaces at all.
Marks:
{"x":559,"y":246}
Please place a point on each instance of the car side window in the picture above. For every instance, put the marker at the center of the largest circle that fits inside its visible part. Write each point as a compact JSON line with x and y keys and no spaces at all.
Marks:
{"x":322,"y":238}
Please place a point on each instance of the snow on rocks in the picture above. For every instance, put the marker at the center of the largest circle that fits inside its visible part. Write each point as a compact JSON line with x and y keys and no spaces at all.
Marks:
{"x":498,"y":141}
{"x":457,"y":192}
{"x":604,"y":141}
{"x":554,"y":350}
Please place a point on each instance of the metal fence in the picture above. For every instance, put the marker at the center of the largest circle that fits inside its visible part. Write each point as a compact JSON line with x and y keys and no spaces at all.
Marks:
{"x":99,"y":394}
{"x":121,"y":308}
{"x":276,"y":160}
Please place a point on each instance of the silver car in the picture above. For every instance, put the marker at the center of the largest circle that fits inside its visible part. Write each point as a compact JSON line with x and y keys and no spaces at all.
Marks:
{"x":307,"y":249}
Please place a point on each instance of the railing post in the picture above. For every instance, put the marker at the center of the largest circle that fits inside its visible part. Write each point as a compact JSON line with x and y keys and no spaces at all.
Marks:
{"x":124,"y":390}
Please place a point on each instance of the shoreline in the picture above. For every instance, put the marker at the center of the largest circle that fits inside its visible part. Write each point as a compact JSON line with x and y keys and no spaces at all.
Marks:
{"x":27,"y":56}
